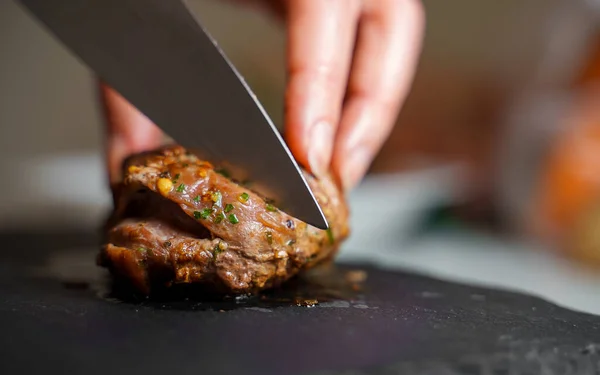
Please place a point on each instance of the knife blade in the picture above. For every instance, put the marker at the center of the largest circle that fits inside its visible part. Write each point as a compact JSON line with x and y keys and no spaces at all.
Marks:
{"x":160,"y":58}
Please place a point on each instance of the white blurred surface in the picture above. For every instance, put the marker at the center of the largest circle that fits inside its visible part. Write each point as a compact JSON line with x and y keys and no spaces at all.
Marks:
{"x":64,"y":189}
{"x":386,"y":211}
{"x":488,"y":261}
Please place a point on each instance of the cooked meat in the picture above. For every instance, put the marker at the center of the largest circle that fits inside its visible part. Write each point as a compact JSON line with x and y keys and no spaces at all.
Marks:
{"x":178,"y":220}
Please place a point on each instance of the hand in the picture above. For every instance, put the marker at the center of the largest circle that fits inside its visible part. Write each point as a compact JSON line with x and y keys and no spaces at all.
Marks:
{"x":350,"y":64}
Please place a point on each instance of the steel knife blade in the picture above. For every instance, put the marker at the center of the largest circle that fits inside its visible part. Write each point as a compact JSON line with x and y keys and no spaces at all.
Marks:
{"x":158,"y":56}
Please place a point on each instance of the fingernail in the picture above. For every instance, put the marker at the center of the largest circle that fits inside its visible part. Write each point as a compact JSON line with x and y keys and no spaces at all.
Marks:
{"x":320,"y":148}
{"x":355,"y":167}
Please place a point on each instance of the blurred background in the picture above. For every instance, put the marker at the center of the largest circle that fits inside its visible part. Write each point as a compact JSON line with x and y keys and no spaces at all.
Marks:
{"x":492,"y":175}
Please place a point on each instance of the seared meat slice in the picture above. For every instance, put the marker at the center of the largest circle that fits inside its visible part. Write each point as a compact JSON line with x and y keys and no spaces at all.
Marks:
{"x":178,"y":220}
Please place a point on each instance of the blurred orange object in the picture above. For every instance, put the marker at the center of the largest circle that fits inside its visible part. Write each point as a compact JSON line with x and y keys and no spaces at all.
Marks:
{"x":566,"y":208}
{"x":570,"y":179}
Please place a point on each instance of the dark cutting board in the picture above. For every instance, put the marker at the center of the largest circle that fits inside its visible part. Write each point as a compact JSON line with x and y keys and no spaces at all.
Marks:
{"x":53,"y":321}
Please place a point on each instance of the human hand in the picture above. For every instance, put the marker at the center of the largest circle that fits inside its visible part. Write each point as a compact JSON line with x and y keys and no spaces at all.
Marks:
{"x":350,"y":64}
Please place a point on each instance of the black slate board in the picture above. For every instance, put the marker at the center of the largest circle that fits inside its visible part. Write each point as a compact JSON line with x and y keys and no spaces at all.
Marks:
{"x":401,"y":324}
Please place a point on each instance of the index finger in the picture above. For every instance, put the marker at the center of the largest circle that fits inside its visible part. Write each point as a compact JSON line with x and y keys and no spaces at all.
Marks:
{"x":386,"y":56}
{"x":321,"y":37}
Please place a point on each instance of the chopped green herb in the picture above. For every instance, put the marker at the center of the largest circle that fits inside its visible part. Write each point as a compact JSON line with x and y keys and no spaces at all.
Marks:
{"x":176,"y":177}
{"x":233,"y":219}
{"x":167,"y":244}
{"x":217,"y":250}
{"x":204,"y":214}
{"x":271,"y":208}
{"x":224,"y":172}
{"x":219,"y":218}
{"x":269,"y":236}
{"x":244,"y":197}
{"x":330,"y":236}
{"x":217,"y":197}
{"x":197,"y":199}
{"x":290,"y":242}
{"x":228,"y":207}
{"x":180,"y":188}
{"x":141,"y":250}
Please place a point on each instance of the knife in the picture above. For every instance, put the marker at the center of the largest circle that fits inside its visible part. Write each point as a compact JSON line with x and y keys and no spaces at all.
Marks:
{"x":159,"y":57}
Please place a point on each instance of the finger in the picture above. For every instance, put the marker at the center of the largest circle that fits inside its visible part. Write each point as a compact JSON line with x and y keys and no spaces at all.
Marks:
{"x":321,"y":37}
{"x":387,"y":50}
{"x":128,"y":131}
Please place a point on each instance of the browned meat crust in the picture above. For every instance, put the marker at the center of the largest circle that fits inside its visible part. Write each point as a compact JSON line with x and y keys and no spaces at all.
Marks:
{"x":177,"y":220}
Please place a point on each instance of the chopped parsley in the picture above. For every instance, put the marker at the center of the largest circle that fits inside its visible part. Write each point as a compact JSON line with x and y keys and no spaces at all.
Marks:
{"x":181,"y":188}
{"x":219,"y":218}
{"x":217,"y":250}
{"x":228,"y":207}
{"x":176,"y":177}
{"x":204,"y":214}
{"x":223,"y":172}
{"x":233,"y":219}
{"x":197,"y":199}
{"x":141,"y":250}
{"x":271,"y":208}
{"x":330,"y":236}
{"x":244,"y":197}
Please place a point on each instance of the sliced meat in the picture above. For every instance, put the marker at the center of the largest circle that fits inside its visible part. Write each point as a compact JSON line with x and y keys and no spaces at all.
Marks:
{"x":178,"y":220}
